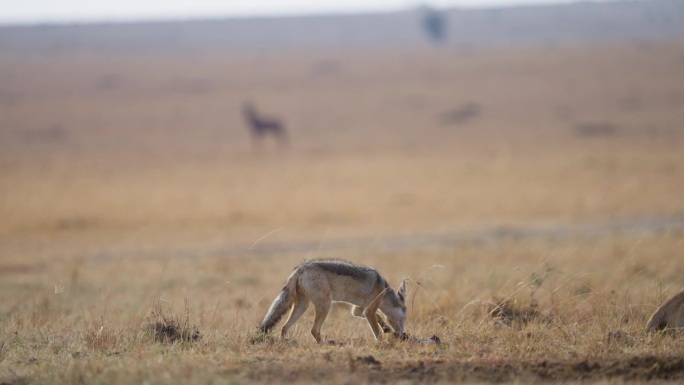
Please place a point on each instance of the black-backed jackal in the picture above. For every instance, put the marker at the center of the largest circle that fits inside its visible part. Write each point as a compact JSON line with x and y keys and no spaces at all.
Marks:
{"x":323,"y":282}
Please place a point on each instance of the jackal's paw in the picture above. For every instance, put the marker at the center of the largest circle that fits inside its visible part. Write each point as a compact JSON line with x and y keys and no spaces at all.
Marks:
{"x":334,"y":343}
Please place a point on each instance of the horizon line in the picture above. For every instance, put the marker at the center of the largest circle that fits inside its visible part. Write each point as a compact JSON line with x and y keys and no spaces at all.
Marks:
{"x":202,"y":17}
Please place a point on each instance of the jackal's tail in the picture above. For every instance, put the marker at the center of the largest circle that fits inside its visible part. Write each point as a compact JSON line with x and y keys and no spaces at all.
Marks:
{"x":281,"y":304}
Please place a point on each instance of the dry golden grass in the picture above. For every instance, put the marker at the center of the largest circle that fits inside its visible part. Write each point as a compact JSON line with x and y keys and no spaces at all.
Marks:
{"x":88,"y":320}
{"x":128,"y":183}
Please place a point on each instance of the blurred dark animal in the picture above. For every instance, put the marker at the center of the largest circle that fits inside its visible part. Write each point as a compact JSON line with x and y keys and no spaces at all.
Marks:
{"x":670,"y":315}
{"x":434,"y":23}
{"x":260,"y":127}
{"x":461,"y":114}
{"x":595,"y":129}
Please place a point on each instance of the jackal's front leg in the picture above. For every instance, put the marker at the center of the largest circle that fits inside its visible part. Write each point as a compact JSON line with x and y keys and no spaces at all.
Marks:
{"x":371,"y":316}
{"x":357,"y":311}
{"x":385,"y":328}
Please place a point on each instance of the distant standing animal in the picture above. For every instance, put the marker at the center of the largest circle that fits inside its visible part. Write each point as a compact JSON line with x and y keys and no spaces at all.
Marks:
{"x":323,"y":281}
{"x":261,"y":126}
{"x":670,"y":315}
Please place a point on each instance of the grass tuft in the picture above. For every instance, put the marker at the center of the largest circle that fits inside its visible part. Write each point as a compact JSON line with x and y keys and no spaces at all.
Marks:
{"x":167,"y":327}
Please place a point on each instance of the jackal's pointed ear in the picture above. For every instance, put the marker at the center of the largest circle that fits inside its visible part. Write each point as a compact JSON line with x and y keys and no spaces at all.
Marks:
{"x":402,"y":289}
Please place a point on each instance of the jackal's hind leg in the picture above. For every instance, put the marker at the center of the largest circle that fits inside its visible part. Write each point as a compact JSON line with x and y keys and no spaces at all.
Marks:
{"x":322,"y":310}
{"x":357,"y":311}
{"x":300,"y":306}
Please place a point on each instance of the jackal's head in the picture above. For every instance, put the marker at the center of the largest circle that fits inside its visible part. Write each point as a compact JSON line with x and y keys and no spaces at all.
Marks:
{"x":394,"y":307}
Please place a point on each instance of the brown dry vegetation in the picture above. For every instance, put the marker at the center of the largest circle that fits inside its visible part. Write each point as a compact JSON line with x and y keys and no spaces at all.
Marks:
{"x":127,"y":183}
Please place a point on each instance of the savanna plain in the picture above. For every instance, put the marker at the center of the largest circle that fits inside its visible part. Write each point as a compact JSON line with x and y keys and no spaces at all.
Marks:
{"x":143,"y":235}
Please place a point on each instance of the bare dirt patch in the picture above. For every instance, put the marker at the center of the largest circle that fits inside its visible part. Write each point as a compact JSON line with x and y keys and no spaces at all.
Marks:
{"x":369,"y":369}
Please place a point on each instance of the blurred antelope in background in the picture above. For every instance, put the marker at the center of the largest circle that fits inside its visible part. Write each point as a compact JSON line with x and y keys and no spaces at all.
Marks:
{"x":261,"y":127}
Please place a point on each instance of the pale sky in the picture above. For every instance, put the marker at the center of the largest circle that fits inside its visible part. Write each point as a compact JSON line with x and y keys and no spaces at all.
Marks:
{"x":65,"y":11}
